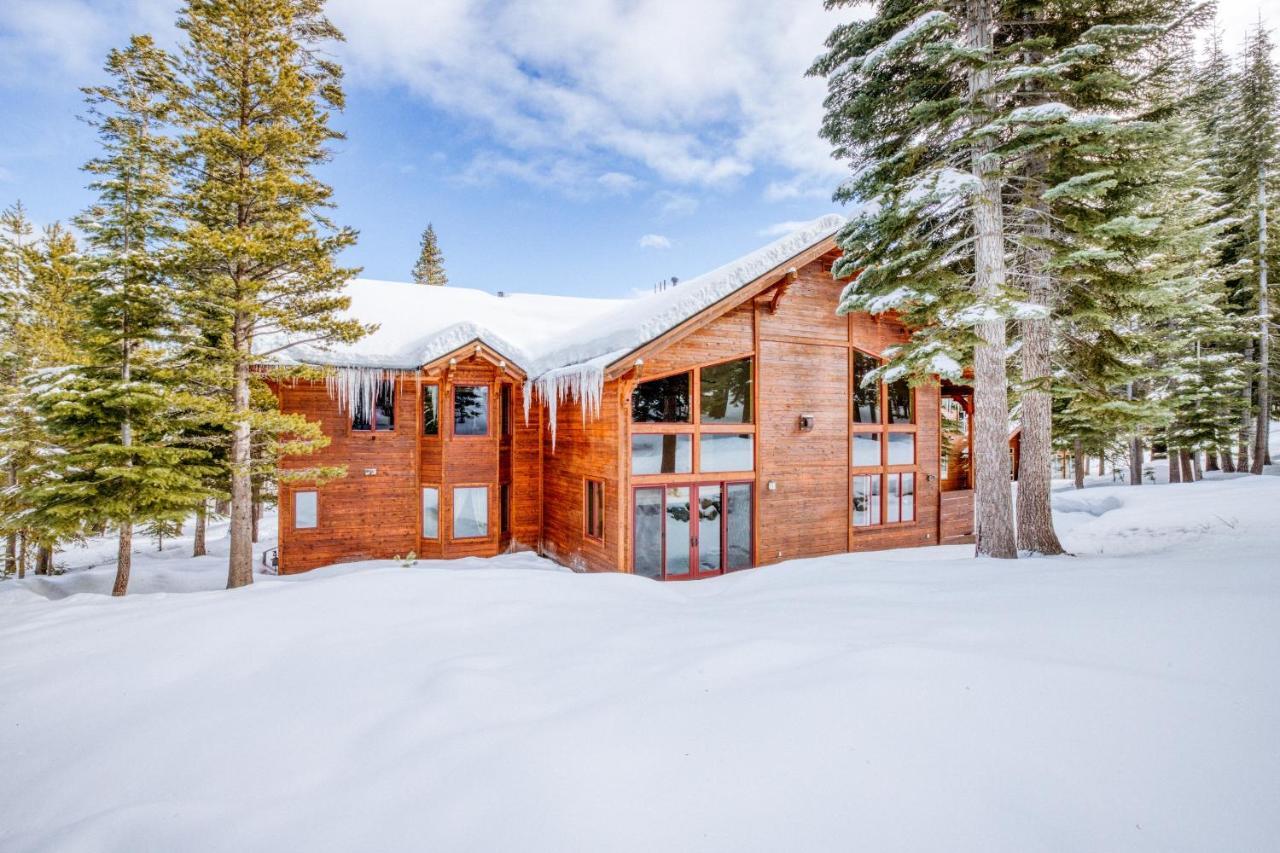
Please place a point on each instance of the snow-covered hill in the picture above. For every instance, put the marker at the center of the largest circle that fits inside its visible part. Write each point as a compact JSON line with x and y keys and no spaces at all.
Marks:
{"x":1122,"y":699}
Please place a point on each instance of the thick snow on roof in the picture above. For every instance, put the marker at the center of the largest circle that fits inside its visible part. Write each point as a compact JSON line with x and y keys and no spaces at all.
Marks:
{"x":418,"y":324}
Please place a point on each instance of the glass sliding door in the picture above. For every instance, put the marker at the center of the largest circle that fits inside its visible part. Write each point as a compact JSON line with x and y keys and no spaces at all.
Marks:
{"x":692,"y":531}
{"x":647,"y":560}
{"x":738,"y":528}
{"x":678,"y":531}
{"x":710,"y":521}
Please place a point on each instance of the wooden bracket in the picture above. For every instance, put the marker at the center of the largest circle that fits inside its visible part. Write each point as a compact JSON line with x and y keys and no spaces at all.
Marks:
{"x":780,"y":290}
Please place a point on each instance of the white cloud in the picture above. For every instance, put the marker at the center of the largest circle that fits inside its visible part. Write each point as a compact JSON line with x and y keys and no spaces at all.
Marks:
{"x":803,"y":186}
{"x":618,"y":183}
{"x":675,"y":204}
{"x":654,"y":241}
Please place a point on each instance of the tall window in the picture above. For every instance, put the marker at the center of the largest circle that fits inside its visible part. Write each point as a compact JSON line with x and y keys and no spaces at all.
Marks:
{"x":883,"y":452}
{"x":378,"y":413}
{"x":505,"y":410}
{"x":593,"y":509}
{"x":471,"y":410}
{"x":699,"y":422}
{"x":430,"y":512}
{"x":430,"y":409}
{"x":470,"y":512}
{"x":304,"y":510}
{"x":504,"y":508}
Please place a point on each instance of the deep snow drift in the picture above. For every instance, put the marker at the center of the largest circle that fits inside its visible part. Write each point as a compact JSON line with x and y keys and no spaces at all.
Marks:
{"x":1123,"y":699}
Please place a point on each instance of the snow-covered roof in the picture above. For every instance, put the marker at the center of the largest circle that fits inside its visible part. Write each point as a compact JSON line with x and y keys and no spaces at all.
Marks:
{"x":541,"y":334}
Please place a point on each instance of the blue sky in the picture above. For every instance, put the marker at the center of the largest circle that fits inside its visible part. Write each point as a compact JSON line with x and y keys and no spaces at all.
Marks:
{"x":589,"y":147}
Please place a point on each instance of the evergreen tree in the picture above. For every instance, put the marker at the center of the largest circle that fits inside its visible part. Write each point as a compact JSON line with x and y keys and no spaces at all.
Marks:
{"x":16,"y":235}
{"x":110,"y":405}
{"x":257,"y":256}
{"x":430,"y":266}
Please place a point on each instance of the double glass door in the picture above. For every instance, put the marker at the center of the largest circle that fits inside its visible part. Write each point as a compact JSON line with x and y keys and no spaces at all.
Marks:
{"x":692,"y":531}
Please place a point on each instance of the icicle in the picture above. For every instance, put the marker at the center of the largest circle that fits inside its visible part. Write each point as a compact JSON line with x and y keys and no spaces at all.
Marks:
{"x":351,"y":385}
{"x":583,"y":383}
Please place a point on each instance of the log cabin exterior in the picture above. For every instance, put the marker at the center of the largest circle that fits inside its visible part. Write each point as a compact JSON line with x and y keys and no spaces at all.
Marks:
{"x":738,"y":433}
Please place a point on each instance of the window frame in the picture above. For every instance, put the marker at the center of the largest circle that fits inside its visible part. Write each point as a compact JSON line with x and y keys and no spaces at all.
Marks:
{"x":883,"y":428}
{"x":394,"y":385}
{"x":589,"y":511}
{"x":422,"y":410}
{"x":293,"y":510}
{"x":453,"y":512}
{"x":453,"y":416}
{"x":695,"y":428}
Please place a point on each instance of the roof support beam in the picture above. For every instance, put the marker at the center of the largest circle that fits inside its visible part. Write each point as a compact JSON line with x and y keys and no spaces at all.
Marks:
{"x":780,"y":290}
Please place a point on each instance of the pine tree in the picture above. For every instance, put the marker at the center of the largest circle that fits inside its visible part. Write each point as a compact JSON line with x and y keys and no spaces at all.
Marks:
{"x":110,"y":405}
{"x":430,"y":266}
{"x":257,"y":255}
{"x":16,"y":236}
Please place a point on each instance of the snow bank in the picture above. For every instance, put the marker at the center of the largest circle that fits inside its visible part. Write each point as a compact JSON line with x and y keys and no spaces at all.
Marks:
{"x":905,"y":700}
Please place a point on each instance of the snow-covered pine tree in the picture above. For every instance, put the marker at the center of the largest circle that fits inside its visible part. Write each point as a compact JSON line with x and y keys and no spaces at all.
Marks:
{"x":909,"y":92}
{"x":110,"y":404}
{"x":1255,"y":184}
{"x":16,"y":235}
{"x":257,"y":255}
{"x":430,"y":266}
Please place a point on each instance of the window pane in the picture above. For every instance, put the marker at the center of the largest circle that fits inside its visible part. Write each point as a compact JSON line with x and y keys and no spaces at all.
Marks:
{"x":866,"y":448}
{"x":506,"y":410}
{"x":430,"y":409}
{"x":738,"y":526}
{"x":663,"y":400}
{"x":360,"y":413}
{"x":901,"y":408}
{"x":709,"y":509}
{"x":726,"y":393}
{"x":723,"y":451}
{"x":471,"y":410}
{"x":678,"y":540}
{"x":866,"y":400}
{"x":647,"y":561}
{"x":505,"y":507}
{"x":304,"y":510}
{"x":892,"y":508}
{"x":594,"y":509}
{"x":384,"y":406}
{"x":908,"y":497}
{"x":866,"y":500}
{"x":430,"y":513}
{"x":470,"y":512}
{"x":902,"y":448}
{"x":661,"y":454}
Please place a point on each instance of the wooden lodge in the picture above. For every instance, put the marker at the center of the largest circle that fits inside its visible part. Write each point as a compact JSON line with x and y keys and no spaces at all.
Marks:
{"x":729,"y":429}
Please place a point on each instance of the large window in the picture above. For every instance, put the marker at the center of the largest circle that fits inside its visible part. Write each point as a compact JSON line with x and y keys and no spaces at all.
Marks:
{"x":593,"y":509}
{"x":377,"y":412}
{"x":470,"y":512}
{"x":430,"y":409}
{"x":304,"y":510}
{"x":698,"y":422}
{"x":663,"y":400}
{"x":692,"y":531}
{"x":883,"y":451}
{"x":430,"y":512}
{"x":471,"y":410}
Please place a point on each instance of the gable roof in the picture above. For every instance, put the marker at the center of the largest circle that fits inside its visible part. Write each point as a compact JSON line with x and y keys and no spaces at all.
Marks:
{"x":547,"y":337}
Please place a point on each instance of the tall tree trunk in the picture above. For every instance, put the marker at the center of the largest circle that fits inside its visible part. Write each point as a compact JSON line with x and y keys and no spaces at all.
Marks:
{"x":1175,"y":462}
{"x":240,"y":561}
{"x":1135,"y":460}
{"x":1077,"y":449}
{"x":993,"y":499}
{"x":1211,"y":460}
{"x":1197,"y":473}
{"x":22,"y":555}
{"x":198,"y":548}
{"x":1262,"y":429}
{"x":257,"y":513}
{"x":1035,"y":471}
{"x":1184,"y":464}
{"x":44,"y":560}
{"x":11,"y":541}
{"x":124,"y":557}
{"x":1228,"y":463}
{"x":1246,"y":422}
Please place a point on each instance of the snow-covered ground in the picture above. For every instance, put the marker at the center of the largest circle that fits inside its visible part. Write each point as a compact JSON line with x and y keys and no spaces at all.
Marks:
{"x":1122,"y":699}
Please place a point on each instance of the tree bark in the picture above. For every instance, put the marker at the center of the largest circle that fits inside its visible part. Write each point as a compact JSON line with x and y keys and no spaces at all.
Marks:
{"x":198,"y":548}
{"x":1211,"y":460}
{"x":44,"y":560}
{"x":124,"y":557}
{"x":1184,"y":463}
{"x":1242,"y":438}
{"x":1197,"y":473}
{"x":1035,"y":463}
{"x":1175,"y":463}
{"x":22,"y":556}
{"x":240,"y":560}
{"x":1262,"y":429}
{"x":11,"y":541}
{"x":1077,"y":449}
{"x":1228,"y":463}
{"x":257,"y":514}
{"x":1135,"y":460}
{"x":993,"y":500}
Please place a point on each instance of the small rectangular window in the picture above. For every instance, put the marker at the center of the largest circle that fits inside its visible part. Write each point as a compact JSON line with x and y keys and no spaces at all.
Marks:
{"x":430,"y":512}
{"x":304,"y":510}
{"x":593,"y":511}
{"x":725,"y":393}
{"x":471,"y":410}
{"x":901,"y":403}
{"x":504,"y":514}
{"x":470,"y":512}
{"x":902,"y":448}
{"x":505,"y":415}
{"x":866,"y":449}
{"x":866,"y":398}
{"x":430,"y":409}
{"x":866,"y":500}
{"x":383,"y":414}
{"x":657,"y":453}
{"x":726,"y":451}
{"x":663,"y":400}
